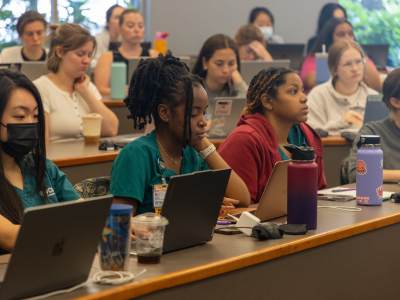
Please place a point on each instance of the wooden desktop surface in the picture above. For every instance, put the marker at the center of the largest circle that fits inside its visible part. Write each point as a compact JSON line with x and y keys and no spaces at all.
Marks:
{"x":80,"y":161}
{"x":348,"y":247}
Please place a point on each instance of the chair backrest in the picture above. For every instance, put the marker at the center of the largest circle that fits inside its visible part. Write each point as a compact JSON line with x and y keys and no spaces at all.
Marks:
{"x":93,"y":187}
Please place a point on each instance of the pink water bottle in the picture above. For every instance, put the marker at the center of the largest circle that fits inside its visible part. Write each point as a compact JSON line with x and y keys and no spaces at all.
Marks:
{"x":302,"y":186}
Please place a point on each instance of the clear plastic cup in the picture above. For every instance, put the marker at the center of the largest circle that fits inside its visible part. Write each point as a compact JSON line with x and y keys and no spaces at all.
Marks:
{"x":149,"y":230}
{"x":115,"y":242}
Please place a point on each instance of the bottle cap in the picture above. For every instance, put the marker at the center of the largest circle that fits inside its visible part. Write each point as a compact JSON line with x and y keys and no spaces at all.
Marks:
{"x":300,"y":152}
{"x":121,"y":209}
{"x":369,"y":140}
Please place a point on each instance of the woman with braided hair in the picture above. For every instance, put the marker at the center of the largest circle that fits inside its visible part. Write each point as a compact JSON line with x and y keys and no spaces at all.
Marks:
{"x":163,"y":91}
{"x":274,"y":116}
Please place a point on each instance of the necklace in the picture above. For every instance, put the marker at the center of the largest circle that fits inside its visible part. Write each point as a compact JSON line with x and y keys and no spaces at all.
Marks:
{"x":174,"y":161}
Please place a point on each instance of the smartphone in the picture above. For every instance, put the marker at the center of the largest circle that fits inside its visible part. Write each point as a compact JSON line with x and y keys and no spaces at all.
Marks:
{"x":334,"y":197}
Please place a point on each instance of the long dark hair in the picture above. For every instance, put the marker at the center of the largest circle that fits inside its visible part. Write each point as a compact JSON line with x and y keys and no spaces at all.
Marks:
{"x":258,"y":10}
{"x":391,"y":88}
{"x":10,"y":204}
{"x":162,"y":80}
{"x":325,"y":37}
{"x":212,"y":44}
{"x":326,"y":13}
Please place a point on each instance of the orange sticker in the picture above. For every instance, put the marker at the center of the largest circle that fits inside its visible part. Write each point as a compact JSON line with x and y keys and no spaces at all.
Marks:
{"x":361,"y":167}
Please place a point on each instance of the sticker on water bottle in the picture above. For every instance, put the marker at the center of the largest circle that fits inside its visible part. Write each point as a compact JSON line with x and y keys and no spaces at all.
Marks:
{"x":379,"y":191}
{"x":361,"y":167}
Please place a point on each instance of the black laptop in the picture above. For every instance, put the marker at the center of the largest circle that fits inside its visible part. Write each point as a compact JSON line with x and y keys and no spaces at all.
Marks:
{"x":192,"y":204}
{"x":378,"y":53}
{"x":55,"y":247}
{"x":293,"y":52}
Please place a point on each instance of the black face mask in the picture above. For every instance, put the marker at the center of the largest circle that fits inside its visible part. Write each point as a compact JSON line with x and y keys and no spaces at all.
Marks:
{"x":22,"y":139}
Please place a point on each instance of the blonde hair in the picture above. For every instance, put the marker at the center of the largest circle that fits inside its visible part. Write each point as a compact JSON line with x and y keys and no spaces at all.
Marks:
{"x":69,"y":37}
{"x":336,"y":51}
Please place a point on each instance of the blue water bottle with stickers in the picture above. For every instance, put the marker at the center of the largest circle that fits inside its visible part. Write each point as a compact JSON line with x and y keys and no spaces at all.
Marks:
{"x":369,"y":171}
{"x":118,"y":80}
{"x":115,"y":242}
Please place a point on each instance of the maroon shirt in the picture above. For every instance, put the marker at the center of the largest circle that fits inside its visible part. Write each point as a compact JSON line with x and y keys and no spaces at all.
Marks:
{"x":252,"y":151}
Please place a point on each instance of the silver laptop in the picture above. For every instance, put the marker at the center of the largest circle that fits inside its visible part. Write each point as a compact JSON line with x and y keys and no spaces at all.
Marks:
{"x":375,"y":109}
{"x":192,"y":204}
{"x":249,"y":69}
{"x":224,"y":113}
{"x":55,"y":247}
{"x":33,"y":70}
{"x":273,"y":202}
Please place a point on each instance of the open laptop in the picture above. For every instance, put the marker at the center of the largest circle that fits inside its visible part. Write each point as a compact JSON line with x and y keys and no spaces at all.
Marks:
{"x":33,"y":70}
{"x":249,"y":69}
{"x":55,"y":247}
{"x":191,"y":205}
{"x":375,"y":109}
{"x":273,"y":202}
{"x":224,"y":113}
{"x":378,"y":53}
{"x":293,"y":52}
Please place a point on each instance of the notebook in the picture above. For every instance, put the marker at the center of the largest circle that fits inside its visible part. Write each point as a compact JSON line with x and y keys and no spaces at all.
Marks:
{"x":293,"y":52}
{"x":191,"y":205}
{"x":55,"y":247}
{"x":224,"y":113}
{"x":249,"y":69}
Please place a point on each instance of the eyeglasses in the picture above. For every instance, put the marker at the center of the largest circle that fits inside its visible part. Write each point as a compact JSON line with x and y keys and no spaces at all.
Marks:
{"x":351,"y":63}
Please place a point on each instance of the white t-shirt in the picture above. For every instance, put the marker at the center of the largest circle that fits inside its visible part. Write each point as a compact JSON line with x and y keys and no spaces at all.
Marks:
{"x":13,"y":55}
{"x":65,"y":110}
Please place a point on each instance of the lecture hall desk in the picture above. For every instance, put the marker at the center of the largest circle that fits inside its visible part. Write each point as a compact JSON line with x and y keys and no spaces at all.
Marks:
{"x":351,"y":255}
{"x":80,"y":161}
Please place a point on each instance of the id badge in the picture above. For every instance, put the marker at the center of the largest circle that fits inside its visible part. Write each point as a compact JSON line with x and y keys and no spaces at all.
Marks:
{"x":159,"y":191}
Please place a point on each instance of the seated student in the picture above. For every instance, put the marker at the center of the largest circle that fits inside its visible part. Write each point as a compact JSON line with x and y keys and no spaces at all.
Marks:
{"x":218,"y":64}
{"x":66,"y":91}
{"x":263,"y":18}
{"x":109,"y":38}
{"x":338,"y":104}
{"x":328,"y":11}
{"x":251,"y":44}
{"x":388,"y":129}
{"x":132,"y":33}
{"x":26,"y":178}
{"x":274,"y":116}
{"x":336,"y":30}
{"x":31,"y":27}
{"x":162,"y":89}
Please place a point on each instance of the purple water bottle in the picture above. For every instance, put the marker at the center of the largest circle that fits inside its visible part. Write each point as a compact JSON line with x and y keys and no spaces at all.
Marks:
{"x":369,"y":167}
{"x":302,"y":186}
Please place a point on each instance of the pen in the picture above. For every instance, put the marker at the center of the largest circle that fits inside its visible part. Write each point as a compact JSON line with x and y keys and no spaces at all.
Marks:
{"x":343,"y":190}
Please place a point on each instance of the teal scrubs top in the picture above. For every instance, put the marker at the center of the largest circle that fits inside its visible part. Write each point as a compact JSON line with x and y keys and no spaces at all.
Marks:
{"x":57,"y":185}
{"x":139,"y":166}
{"x":295,"y":137}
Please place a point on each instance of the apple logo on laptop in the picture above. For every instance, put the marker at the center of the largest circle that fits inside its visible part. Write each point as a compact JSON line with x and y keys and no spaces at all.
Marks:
{"x":58,"y":248}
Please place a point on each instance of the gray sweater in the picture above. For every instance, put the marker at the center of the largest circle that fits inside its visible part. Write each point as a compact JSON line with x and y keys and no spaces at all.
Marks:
{"x":390,"y":144}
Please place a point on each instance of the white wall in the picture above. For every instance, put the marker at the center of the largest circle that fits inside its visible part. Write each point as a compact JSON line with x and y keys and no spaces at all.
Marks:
{"x":191,"y":22}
